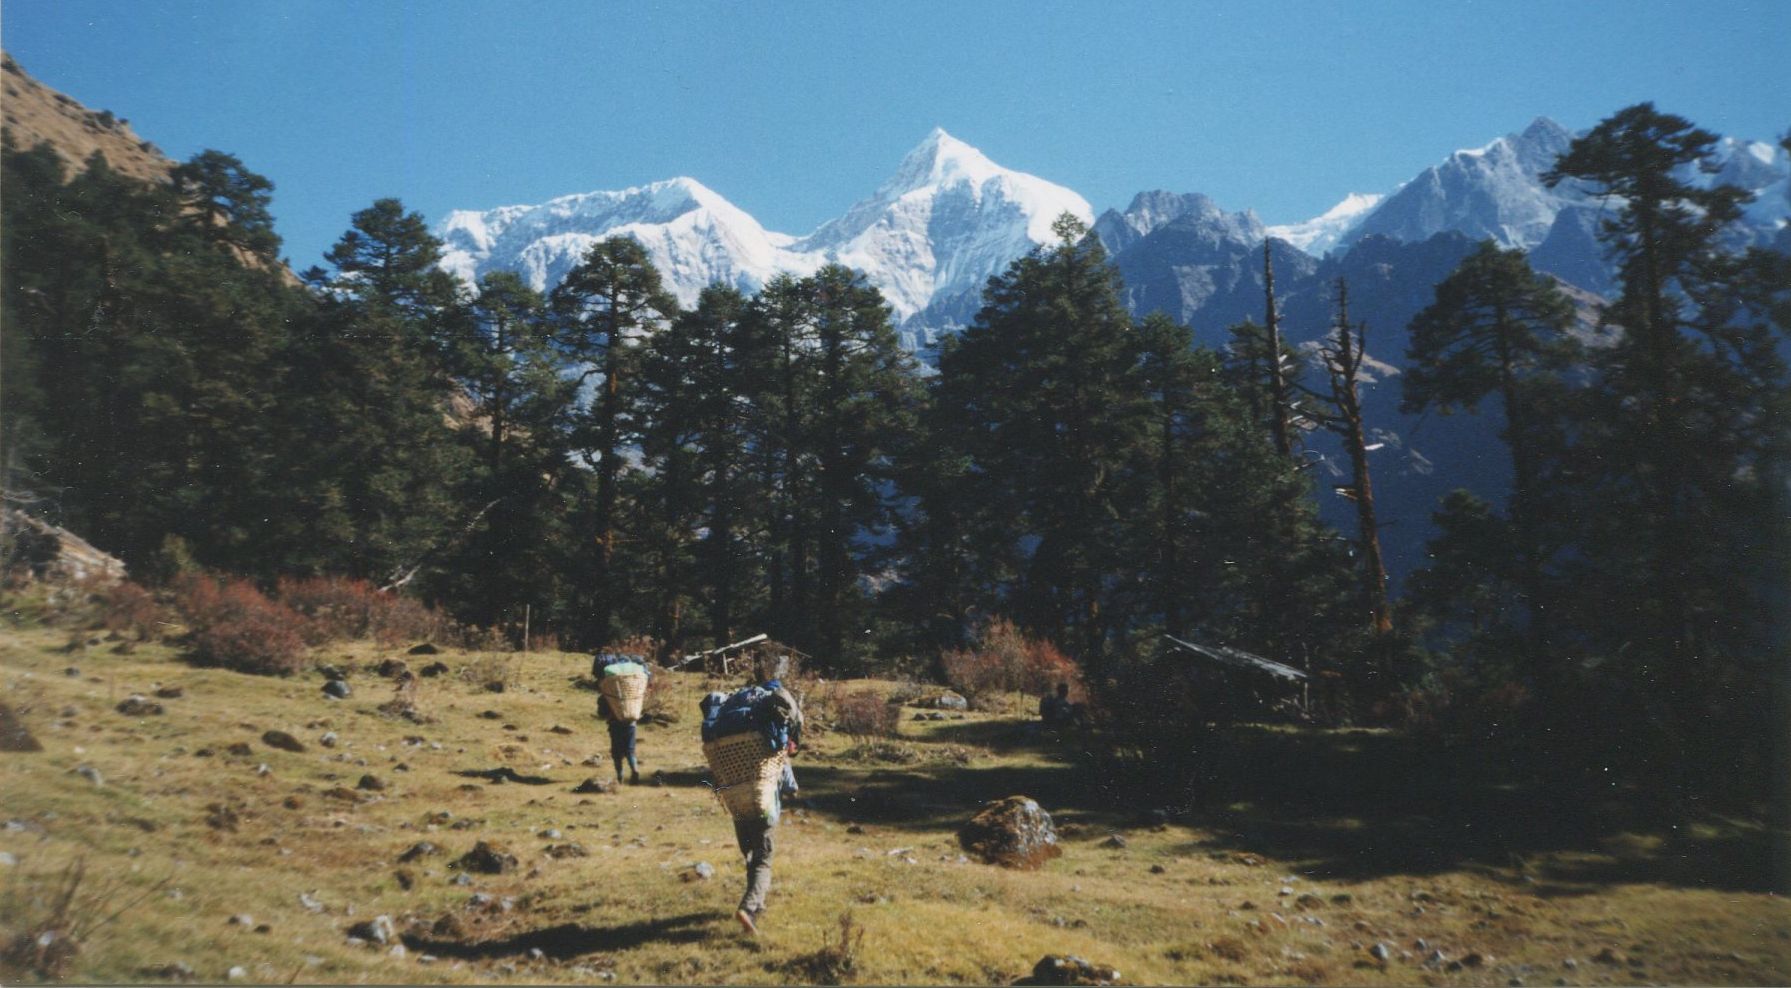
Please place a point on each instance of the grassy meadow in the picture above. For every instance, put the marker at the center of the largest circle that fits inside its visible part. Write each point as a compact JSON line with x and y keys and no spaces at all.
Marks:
{"x":203,"y":849}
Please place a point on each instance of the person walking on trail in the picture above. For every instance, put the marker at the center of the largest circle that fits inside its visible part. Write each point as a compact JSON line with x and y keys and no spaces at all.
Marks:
{"x":779,"y":713}
{"x":621,"y":731}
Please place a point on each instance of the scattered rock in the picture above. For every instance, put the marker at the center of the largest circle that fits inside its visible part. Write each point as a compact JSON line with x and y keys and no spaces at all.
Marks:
{"x":449,"y":927}
{"x":1473,"y":959}
{"x":1014,"y":832}
{"x":1380,"y":951}
{"x":371,"y":783}
{"x":177,"y":971}
{"x":561,"y":851}
{"x":495,"y":686}
{"x":551,"y":833}
{"x":378,"y":930}
{"x":407,"y":881}
{"x":391,"y":667}
{"x":90,"y":773}
{"x":264,"y":927}
{"x":1158,"y":869}
{"x":1342,"y":899}
{"x":170,"y":692}
{"x":557,"y":729}
{"x":433,"y":670}
{"x":328,"y":740}
{"x":282,"y":741}
{"x":137,"y":705}
{"x":397,"y":952}
{"x":595,"y":785}
{"x":1309,"y":901}
{"x":854,"y":829}
{"x":1571,"y":964}
{"x":236,"y":973}
{"x":486,"y":859}
{"x":310,"y":902}
{"x":337,"y":688}
{"x":243,"y":919}
{"x":426,"y":648}
{"x":417,"y":850}
{"x":702,"y":871}
{"x":491,"y":715}
{"x":947,"y":700}
{"x":1114,"y":841}
{"x":7,"y":859}
{"x":1609,"y":956}
{"x":1057,"y":969}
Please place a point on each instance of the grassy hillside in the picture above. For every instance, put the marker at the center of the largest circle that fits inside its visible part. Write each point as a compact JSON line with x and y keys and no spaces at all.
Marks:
{"x":1286,"y":872}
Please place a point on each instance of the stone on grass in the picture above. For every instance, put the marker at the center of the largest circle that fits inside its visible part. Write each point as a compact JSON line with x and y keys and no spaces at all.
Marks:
{"x":170,"y":692}
{"x":594,"y":785}
{"x":337,"y":688}
{"x":282,"y":741}
{"x":433,"y":670}
{"x":417,"y":850}
{"x":91,"y":774}
{"x":702,"y":871}
{"x":562,"y":851}
{"x":377,"y":930}
{"x":137,"y":705}
{"x":236,"y":973}
{"x":1114,"y":841}
{"x":1381,"y":951}
{"x":1058,"y":969}
{"x":372,"y":783}
{"x":1014,"y":832}
{"x":424,"y":649}
{"x":948,"y":700}
{"x":486,"y":859}
{"x":328,"y":740}
{"x":243,"y":919}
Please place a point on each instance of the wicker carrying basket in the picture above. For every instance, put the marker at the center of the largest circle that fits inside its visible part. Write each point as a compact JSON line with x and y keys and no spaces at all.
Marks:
{"x":625,"y":695}
{"x":747,"y":773}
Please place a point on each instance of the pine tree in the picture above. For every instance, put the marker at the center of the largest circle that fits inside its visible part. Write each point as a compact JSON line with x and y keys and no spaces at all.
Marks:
{"x":604,"y":306}
{"x":1499,"y":329}
{"x":229,"y":203}
{"x":1044,"y":389}
{"x":1675,"y":438}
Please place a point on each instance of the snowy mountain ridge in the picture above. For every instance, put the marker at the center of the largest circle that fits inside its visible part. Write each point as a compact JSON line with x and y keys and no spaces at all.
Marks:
{"x":929,"y":236}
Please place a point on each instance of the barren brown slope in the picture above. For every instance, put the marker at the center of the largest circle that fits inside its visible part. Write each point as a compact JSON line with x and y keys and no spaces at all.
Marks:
{"x":35,"y":114}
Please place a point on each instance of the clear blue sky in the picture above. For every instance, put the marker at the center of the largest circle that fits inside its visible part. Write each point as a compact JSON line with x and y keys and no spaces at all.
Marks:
{"x":794,"y":110}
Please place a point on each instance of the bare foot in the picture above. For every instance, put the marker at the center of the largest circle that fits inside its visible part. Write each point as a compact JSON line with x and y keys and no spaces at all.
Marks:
{"x":746,"y":922}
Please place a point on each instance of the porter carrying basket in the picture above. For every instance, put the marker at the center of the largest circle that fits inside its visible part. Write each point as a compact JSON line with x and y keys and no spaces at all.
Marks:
{"x":625,"y":695}
{"x":747,"y":773}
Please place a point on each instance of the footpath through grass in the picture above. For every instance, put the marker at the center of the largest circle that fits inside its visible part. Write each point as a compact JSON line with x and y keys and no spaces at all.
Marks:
{"x":1309,"y":850}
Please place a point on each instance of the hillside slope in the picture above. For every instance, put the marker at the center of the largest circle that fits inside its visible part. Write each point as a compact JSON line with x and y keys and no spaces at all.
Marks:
{"x":34,"y":114}
{"x":224,"y":852}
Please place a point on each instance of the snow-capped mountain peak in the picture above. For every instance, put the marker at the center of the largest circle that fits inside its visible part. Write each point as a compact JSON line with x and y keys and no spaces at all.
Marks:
{"x":1323,"y":232}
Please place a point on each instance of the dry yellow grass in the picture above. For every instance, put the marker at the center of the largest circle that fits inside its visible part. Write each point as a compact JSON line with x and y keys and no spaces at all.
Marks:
{"x":1177,"y":904}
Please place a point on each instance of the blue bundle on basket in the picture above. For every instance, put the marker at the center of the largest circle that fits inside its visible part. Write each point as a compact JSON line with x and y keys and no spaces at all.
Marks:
{"x":744,"y":739}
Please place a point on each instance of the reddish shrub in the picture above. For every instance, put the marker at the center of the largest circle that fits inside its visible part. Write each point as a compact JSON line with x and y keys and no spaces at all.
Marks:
{"x":1004,"y":660}
{"x":237,"y":627}
{"x":864,"y":714}
{"x":343,"y":609}
{"x":127,"y":608}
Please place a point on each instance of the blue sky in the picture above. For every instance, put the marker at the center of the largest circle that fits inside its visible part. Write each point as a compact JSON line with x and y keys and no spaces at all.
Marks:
{"x":794,"y":110}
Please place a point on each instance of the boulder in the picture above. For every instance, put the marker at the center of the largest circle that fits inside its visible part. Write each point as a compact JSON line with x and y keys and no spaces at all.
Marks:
{"x":391,"y":667}
{"x":282,"y":741}
{"x":948,"y":700}
{"x":136,"y":705}
{"x":1014,"y":832}
{"x":1057,"y":969}
{"x":433,"y":669}
{"x":486,"y":859}
{"x":424,"y":649}
{"x":378,"y":930}
{"x":337,"y":688}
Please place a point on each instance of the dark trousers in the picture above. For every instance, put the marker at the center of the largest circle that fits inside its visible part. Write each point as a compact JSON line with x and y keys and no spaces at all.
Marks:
{"x":621,"y":745}
{"x":754,"y":835}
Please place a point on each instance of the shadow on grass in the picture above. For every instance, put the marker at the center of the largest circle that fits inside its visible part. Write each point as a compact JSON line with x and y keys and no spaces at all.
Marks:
{"x":569,"y":940}
{"x":1341,"y":805}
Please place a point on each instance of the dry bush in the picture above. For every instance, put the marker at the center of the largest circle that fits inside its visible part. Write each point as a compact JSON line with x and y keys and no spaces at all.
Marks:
{"x":236,"y":626}
{"x":836,"y":960}
{"x":127,"y":608}
{"x":863,"y":714}
{"x":343,"y":609}
{"x":1005,"y":660}
{"x":49,"y":920}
